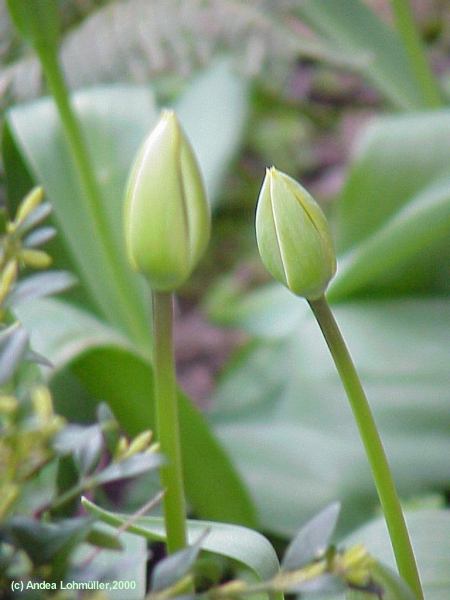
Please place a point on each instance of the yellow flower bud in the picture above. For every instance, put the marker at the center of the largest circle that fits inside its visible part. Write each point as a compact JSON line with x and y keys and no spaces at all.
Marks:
{"x":121,"y":448}
{"x":29,"y":203}
{"x":167,"y":217}
{"x":8,"y":278}
{"x":294,"y":239}
{"x":42,"y":403}
{"x":139,"y":444}
{"x":38,"y":259}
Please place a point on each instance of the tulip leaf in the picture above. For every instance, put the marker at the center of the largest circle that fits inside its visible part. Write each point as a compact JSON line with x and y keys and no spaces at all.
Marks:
{"x":392,"y":165}
{"x":355,"y":29}
{"x":109,"y":369}
{"x":422,"y":222}
{"x":238,"y":543}
{"x":430,"y":534}
{"x":292,"y":434}
{"x":270,"y":311}
{"x":114,"y":121}
{"x":394,"y":192}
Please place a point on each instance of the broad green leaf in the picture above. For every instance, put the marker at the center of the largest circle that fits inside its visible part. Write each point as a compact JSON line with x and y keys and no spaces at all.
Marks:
{"x":270,"y":311}
{"x":243,"y":545}
{"x":430,"y":535}
{"x":214,"y":111}
{"x":114,"y":122}
{"x":421,"y":223}
{"x":292,"y":434}
{"x":355,"y":29}
{"x":397,"y":158}
{"x":396,"y":188}
{"x":110,"y":370}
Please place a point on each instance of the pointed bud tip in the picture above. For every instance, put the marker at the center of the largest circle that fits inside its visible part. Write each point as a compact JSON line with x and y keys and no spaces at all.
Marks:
{"x":166,"y":210}
{"x":169,"y":114}
{"x":293,"y":236}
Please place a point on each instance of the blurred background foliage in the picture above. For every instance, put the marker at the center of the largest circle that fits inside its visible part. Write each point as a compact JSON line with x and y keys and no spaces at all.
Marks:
{"x":325,"y":91}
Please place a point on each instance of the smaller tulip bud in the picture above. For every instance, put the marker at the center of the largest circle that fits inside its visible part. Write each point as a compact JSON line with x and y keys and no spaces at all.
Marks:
{"x":167,"y":217}
{"x":294,"y":239}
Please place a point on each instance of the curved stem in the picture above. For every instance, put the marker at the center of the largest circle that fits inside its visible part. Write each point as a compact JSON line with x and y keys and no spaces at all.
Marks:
{"x":404,"y":21}
{"x":370,"y":437}
{"x":167,"y":421}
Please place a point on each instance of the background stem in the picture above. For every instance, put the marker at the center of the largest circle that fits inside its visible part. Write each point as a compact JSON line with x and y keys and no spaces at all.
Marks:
{"x":92,"y":192}
{"x":414,"y":47}
{"x":167,"y":421}
{"x":384,"y":481}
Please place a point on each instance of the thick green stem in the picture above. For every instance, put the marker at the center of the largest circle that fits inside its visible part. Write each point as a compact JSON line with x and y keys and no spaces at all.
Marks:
{"x":382,"y":475}
{"x":167,"y":421}
{"x":91,"y":190}
{"x":404,"y":21}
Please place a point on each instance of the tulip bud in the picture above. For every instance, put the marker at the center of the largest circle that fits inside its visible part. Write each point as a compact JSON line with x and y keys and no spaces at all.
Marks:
{"x":293,"y":236}
{"x":167,"y":217}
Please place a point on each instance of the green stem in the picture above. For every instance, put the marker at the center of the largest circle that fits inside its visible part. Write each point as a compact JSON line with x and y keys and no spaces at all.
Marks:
{"x":382,"y":475}
{"x":86,"y":175}
{"x":404,"y":21}
{"x":167,"y":421}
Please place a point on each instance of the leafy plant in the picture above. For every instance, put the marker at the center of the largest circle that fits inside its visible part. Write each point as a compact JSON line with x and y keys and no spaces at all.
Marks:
{"x":113,"y":139}
{"x":39,"y":528}
{"x":310,"y":564}
{"x":281,"y":391}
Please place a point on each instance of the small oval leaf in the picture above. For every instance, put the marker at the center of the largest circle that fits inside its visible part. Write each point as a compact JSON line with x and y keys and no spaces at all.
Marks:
{"x":312,"y":540}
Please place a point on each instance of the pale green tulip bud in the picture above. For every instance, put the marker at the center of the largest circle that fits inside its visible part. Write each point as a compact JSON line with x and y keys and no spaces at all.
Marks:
{"x":167,"y":216}
{"x":293,"y":236}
